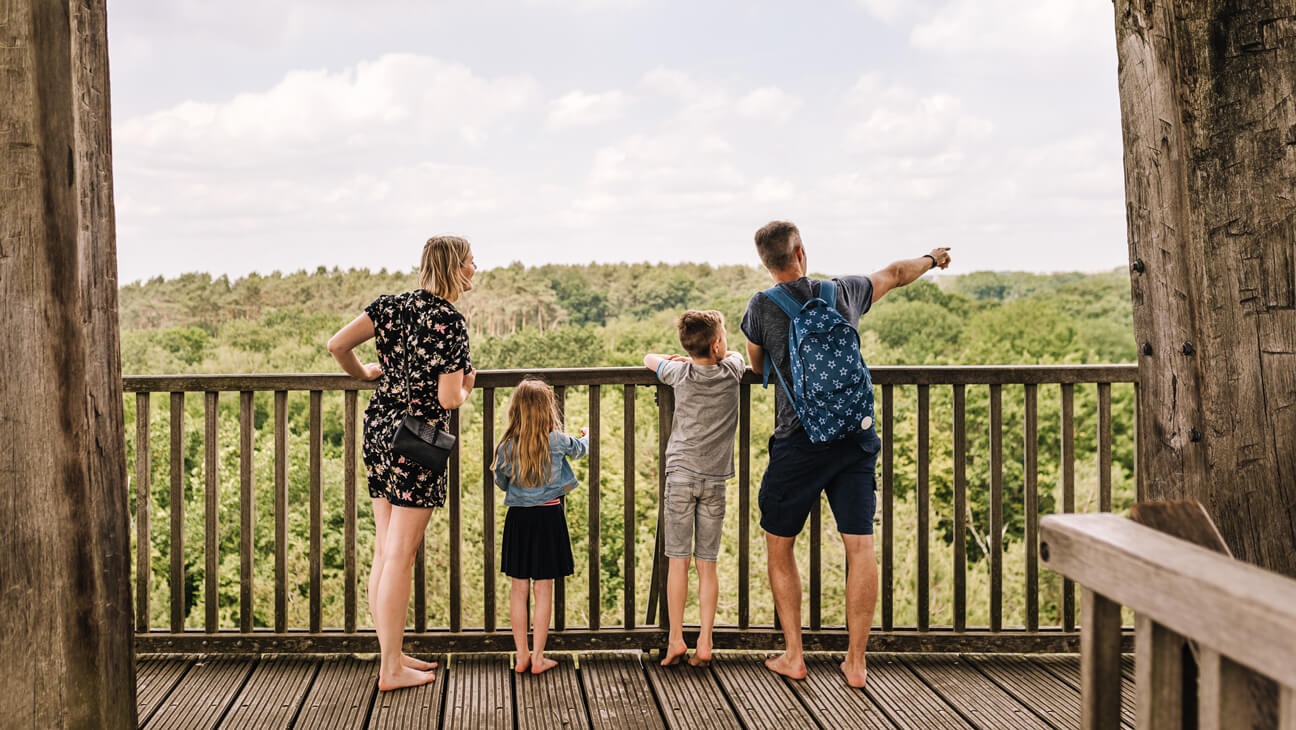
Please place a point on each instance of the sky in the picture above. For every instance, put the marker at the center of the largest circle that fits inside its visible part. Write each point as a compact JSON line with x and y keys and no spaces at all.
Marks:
{"x":261,"y":135}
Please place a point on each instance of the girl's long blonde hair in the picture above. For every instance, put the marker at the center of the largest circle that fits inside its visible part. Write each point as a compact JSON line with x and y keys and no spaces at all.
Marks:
{"x":532,"y":414}
{"x":441,"y":268}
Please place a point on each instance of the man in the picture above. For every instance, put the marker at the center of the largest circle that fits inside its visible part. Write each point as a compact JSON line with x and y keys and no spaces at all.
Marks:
{"x":799,"y":470}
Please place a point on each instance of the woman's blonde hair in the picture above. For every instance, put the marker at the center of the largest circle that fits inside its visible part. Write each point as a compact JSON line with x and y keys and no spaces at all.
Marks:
{"x":532,"y":414}
{"x":441,"y":270}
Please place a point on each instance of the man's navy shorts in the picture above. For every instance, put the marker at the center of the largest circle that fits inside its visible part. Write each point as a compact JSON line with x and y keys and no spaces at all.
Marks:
{"x":799,"y":470}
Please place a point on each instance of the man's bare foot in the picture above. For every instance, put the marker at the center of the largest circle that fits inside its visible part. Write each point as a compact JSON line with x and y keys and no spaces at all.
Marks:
{"x":856,"y":673}
{"x":405,"y":677}
{"x":523,"y":662}
{"x":419,"y":664}
{"x":542,"y":664}
{"x":788,"y":667}
{"x":702,"y":655}
{"x":674,"y":652}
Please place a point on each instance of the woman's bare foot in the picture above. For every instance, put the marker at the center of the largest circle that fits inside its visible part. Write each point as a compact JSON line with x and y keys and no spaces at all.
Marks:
{"x":856,"y":673}
{"x":540,"y":665}
{"x":419,"y":664}
{"x":702,"y":655}
{"x":674,"y":652}
{"x":405,"y":677}
{"x":788,"y":667}
{"x":522,"y":662}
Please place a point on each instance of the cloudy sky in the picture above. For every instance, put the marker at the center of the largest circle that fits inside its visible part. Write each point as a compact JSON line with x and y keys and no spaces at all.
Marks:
{"x":253,"y":135}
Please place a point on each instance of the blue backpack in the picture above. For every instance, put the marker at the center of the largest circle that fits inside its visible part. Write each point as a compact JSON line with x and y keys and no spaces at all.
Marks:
{"x":831,"y":391}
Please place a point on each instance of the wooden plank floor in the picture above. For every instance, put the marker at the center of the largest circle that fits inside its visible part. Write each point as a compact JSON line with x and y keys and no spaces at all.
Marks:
{"x":614,"y":690}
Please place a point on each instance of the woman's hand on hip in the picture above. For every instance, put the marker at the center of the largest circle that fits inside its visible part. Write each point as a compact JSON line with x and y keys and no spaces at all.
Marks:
{"x":372,"y":371}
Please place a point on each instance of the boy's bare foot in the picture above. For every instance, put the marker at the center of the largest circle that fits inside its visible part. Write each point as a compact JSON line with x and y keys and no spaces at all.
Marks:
{"x":419,"y":664}
{"x":674,"y":652}
{"x":788,"y":667}
{"x":702,"y":655}
{"x":523,"y":662}
{"x":856,"y":673}
{"x":405,"y":677}
{"x":542,"y":664}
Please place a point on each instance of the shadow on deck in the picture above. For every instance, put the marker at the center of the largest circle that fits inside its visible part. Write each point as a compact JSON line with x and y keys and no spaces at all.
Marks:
{"x":619,"y":690}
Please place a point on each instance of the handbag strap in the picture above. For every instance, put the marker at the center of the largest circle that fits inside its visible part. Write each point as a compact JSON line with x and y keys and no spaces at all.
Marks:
{"x":409,"y":403}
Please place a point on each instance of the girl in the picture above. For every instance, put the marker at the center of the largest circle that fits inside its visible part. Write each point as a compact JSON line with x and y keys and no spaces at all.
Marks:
{"x":531,"y":467}
{"x":426,"y":370}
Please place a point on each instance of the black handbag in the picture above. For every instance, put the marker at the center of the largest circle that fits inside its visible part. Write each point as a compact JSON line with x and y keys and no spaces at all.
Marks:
{"x":416,"y":439}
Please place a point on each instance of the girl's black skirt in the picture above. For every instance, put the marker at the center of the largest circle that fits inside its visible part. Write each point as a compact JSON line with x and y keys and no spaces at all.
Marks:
{"x":536,"y":544}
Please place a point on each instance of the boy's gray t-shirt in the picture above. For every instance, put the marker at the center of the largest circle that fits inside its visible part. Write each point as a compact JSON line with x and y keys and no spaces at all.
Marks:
{"x":766,"y":325}
{"x":706,"y":415}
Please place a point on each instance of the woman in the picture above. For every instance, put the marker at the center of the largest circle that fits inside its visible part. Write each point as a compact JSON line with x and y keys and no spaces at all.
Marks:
{"x":422,"y":337}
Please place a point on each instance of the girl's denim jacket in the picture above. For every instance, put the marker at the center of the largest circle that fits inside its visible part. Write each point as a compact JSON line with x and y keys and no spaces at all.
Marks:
{"x":561,"y":478}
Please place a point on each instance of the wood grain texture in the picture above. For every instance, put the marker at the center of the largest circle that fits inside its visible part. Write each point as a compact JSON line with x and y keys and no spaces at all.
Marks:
{"x":1208,"y":112}
{"x":628,"y":508}
{"x":211,"y":496}
{"x":960,"y":507}
{"x":924,"y":508}
{"x":412,"y":709}
{"x":617,"y":693}
{"x":977,"y":698}
{"x":342,"y":694}
{"x":1100,"y":677}
{"x":247,"y":513}
{"x":1160,"y":681}
{"x":691,"y":698}
{"x":888,"y":507}
{"x":760,"y":697}
{"x":550,"y":700}
{"x":479,"y":694}
{"x":272,"y":695}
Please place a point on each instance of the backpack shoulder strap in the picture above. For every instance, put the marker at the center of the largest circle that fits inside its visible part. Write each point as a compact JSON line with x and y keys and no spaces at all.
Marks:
{"x":790,"y":306}
{"x":828,"y":292}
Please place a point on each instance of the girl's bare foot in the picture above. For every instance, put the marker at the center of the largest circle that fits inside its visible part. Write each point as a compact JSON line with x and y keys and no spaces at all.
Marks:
{"x":405,"y":677}
{"x":419,"y":664}
{"x":674,"y":652}
{"x":788,"y":667}
{"x":702,"y":655}
{"x":856,"y":673}
{"x":523,"y":662}
{"x":540,"y":665}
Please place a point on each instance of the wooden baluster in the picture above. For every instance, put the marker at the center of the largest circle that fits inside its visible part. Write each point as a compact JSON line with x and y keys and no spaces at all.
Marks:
{"x":1104,"y":448}
{"x":350,"y":608}
{"x":888,"y":506}
{"x":247,"y":512}
{"x":1068,"y":493}
{"x":1158,"y":666}
{"x":560,"y":585}
{"x":211,"y":495}
{"x":744,"y":506}
{"x":420,"y":584}
{"x":1225,"y":699}
{"x":281,"y":510}
{"x":628,"y":506}
{"x":1138,"y":447}
{"x":924,"y":509}
{"x":1100,"y":675}
{"x":143,"y":506}
{"x":666,"y":414}
{"x":488,"y":509}
{"x":316,"y":513}
{"x":996,"y":507}
{"x":1286,"y":708}
{"x":177,"y":513}
{"x":595,"y":484}
{"x":1031,"y":498}
{"x":816,"y":567}
{"x":456,"y":541}
{"x":960,"y":508}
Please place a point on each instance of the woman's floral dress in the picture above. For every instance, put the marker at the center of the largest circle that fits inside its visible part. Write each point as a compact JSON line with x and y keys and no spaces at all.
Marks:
{"x":425,"y":333}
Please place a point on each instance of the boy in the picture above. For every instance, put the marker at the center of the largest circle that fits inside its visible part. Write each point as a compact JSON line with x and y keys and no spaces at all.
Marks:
{"x":699,"y":459}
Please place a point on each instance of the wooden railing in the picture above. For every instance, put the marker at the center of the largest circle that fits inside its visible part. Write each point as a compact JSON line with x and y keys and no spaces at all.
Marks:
{"x":596,"y":631}
{"x":1241,"y":618}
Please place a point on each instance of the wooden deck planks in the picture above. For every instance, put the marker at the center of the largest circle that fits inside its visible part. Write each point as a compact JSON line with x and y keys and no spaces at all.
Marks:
{"x":341,"y":696}
{"x":690,"y":697}
{"x":905,"y":699}
{"x":154,"y":680}
{"x":549,"y":700}
{"x":617,"y":692}
{"x":760,"y":697}
{"x":1032,"y":685}
{"x":834,"y":703}
{"x":1067,"y":668}
{"x":979,"y":700}
{"x":415,"y":708}
{"x":479,"y":693}
{"x":203,"y":695}
{"x":273,"y":694}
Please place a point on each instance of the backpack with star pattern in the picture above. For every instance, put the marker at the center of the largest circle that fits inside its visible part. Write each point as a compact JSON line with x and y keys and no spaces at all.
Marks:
{"x":832,"y":390}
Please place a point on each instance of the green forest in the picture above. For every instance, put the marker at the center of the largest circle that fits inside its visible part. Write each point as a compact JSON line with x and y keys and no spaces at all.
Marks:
{"x":610,"y":315}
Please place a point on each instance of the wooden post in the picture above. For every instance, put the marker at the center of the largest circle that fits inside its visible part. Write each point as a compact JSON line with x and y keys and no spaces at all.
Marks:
{"x":1160,"y":682}
{"x":1210,"y":163}
{"x":66,"y":651}
{"x":1100,"y":641}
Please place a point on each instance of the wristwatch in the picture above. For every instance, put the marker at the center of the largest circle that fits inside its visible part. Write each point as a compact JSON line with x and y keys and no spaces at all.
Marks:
{"x":935,"y":263}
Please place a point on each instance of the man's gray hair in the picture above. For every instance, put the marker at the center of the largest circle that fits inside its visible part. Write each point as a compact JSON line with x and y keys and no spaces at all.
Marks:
{"x":777,"y":242}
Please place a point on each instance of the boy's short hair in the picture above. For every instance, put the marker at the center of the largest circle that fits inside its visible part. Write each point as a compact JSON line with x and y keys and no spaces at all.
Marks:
{"x":698,"y":329}
{"x":777,"y":242}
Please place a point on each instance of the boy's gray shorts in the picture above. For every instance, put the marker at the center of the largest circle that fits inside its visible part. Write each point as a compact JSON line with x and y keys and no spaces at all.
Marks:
{"x":694,"y":506}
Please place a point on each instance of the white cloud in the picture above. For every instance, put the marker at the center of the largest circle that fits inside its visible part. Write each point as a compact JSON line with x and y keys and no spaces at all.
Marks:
{"x":579,"y":109}
{"x":1037,"y":28}
{"x":887,"y":10}
{"x":898,"y":121}
{"x":769,"y":103}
